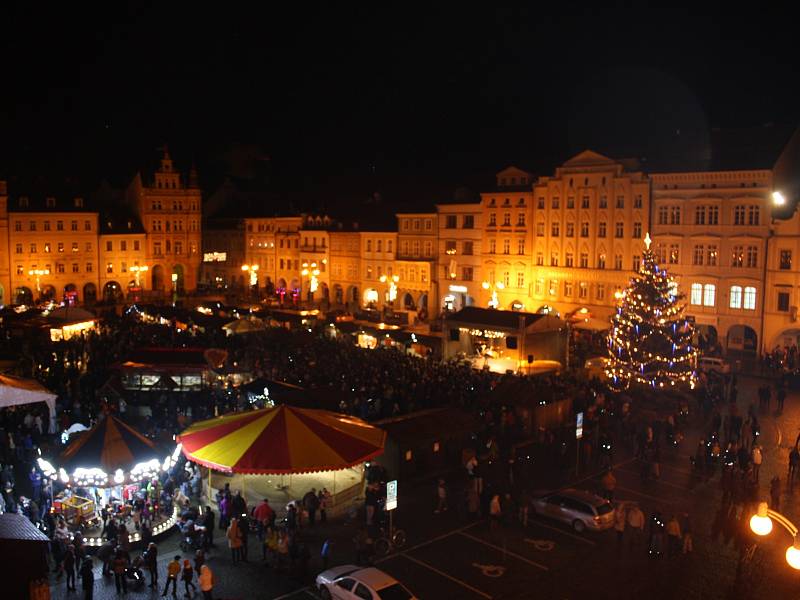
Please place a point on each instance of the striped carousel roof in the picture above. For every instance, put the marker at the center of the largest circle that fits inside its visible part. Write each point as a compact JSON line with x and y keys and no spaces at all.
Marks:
{"x":111,"y":444}
{"x":283,"y":439}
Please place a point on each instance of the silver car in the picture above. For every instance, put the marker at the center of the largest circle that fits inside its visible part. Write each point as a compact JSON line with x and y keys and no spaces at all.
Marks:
{"x":581,"y":510}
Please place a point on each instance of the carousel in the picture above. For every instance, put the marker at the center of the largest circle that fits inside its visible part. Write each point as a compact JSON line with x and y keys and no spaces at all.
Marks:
{"x":109,"y":465}
{"x":282,"y":452}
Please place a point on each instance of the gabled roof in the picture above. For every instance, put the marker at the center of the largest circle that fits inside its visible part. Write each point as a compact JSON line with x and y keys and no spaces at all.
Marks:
{"x":589,"y":158}
{"x":19,"y":528}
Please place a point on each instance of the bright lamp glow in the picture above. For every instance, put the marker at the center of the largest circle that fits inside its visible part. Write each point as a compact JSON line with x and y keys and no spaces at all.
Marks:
{"x":119,"y":476}
{"x":778,"y":199}
{"x":793,"y":556}
{"x":760,"y":523}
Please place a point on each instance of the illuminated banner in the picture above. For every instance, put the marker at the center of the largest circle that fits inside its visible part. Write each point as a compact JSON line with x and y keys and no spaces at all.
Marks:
{"x":215,"y":257}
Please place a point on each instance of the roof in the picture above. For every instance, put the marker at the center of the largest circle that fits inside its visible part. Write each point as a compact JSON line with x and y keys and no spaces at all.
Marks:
{"x":505,"y":319}
{"x":29,"y":385}
{"x":71,"y":315}
{"x":168,"y":356}
{"x":19,"y":528}
{"x":374,"y":578}
{"x":119,"y":222}
{"x":429,"y":424}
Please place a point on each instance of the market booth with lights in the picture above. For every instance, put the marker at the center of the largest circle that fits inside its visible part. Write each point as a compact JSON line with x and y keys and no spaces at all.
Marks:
{"x":281,"y":452}
{"x":109,"y":464}
{"x":502,"y":341}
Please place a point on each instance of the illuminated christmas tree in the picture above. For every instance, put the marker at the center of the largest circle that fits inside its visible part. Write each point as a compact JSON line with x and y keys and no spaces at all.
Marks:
{"x":650,"y":342}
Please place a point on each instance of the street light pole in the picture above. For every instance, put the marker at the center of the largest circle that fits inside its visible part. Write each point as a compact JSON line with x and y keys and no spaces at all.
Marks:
{"x":761,"y":524}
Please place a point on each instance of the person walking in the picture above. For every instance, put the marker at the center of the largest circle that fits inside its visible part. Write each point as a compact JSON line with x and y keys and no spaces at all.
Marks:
{"x":119,"y":565}
{"x":311,"y":504}
{"x":234,"y":536}
{"x":620,"y":519}
{"x":264,"y":517}
{"x":68,"y":564}
{"x":209,"y":522}
{"x":87,"y":578}
{"x":775,"y":493}
{"x":151,"y":562}
{"x":636,"y":525}
{"x":441,"y":497}
{"x":495,"y":511}
{"x":324,"y":498}
{"x":781,"y":396}
{"x":206,"y":581}
{"x":794,"y":460}
{"x":757,"y":457}
{"x":688,"y":545}
{"x":325,"y":553}
{"x":173,"y":570}
{"x":674,"y":536}
{"x":186,"y":576}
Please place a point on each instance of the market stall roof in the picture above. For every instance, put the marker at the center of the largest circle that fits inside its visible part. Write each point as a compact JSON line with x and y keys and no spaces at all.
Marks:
{"x":16,"y":390}
{"x":174,"y":358}
{"x":241,"y":326}
{"x":283,"y":439}
{"x":592,"y":324}
{"x":71,"y":315}
{"x":20,"y":529}
{"x":502,"y":319}
{"x":111,"y":444}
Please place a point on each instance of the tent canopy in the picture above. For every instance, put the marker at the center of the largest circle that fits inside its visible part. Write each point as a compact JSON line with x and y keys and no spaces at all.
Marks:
{"x":111,"y":444}
{"x":71,"y":314}
{"x":592,"y":324}
{"x":16,"y":390}
{"x":241,"y":326}
{"x":282,"y":439}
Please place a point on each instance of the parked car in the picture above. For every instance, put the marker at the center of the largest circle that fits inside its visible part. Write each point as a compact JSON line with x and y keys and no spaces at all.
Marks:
{"x":581,"y":510}
{"x":713,"y":364}
{"x":350,"y":582}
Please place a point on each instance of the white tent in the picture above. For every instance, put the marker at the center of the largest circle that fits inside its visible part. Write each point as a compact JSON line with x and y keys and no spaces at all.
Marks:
{"x":16,"y":390}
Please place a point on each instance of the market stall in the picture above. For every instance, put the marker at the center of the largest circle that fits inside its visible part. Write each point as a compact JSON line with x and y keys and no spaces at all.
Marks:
{"x":15,"y":391}
{"x":281,"y":453}
{"x":108,"y":465}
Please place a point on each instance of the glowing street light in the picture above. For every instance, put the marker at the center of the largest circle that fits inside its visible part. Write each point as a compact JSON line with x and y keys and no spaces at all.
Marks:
{"x":392,"y":286}
{"x":761,"y":524}
{"x":778,"y":199}
{"x":253,"y":270}
{"x":39,"y":273}
{"x":494,"y":302}
{"x":137,"y":270}
{"x":311,"y":271}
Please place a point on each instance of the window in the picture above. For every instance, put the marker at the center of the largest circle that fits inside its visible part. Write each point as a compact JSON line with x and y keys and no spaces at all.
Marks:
{"x":569,"y":259}
{"x":378,"y":245}
{"x":59,"y":267}
{"x":506,"y":278}
{"x":466,"y":273}
{"x":675,"y":215}
{"x":618,"y":262}
{"x":520,"y":279}
{"x":620,"y":201}
{"x":584,"y":260}
{"x":416,"y":224}
{"x":619,"y":229}
{"x":87,"y":225}
{"x":450,"y":246}
{"x":661,"y":253}
{"x":157,"y":248}
{"x":74,"y":225}
{"x":19,"y":270}
{"x":17,"y":225}
{"x":59,"y":225}
{"x":737,"y":256}
{"x":636,"y":263}
{"x":109,"y":246}
{"x":736,"y":296}
{"x":109,"y":268}
{"x":521,"y":220}
{"x":280,"y":262}
{"x":600,"y":291}
{"x":674,"y":254}
{"x":663,"y":211}
{"x":554,"y":259}
{"x":521,"y":246}
{"x":783,"y":301}
{"x":637,"y":230}
{"x":603,"y":202}
{"x":568,"y":288}
{"x":570,"y":201}
{"x":601,"y":230}
{"x":539,"y":259}
{"x":369,"y":272}
{"x":711,"y":255}
{"x":75,"y":268}
{"x":492,"y":246}
{"x":753,"y":215}
{"x":450,"y":222}
{"x":506,"y":246}
{"x":537,"y":288}
{"x":555,"y":230}
{"x":123,"y":246}
{"x":697,"y":255}
{"x":540,"y":203}
{"x":540,"y":229}
{"x":713,"y":215}
{"x":696,"y":295}
{"x":699,"y":215}
{"x":178,"y":247}
{"x":585,"y":229}
{"x":369,"y":245}
{"x":583,"y":290}
{"x":554,"y":203}
{"x":75,"y":246}
{"x":601,"y":261}
{"x":492,"y":220}
{"x":750,"y":298}
{"x":709,"y":294}
{"x":389,"y":246}
{"x":468,"y":223}
{"x":585,"y":202}
{"x":415,"y":247}
{"x":47,"y":225}
{"x":506,"y":219}
{"x":752,"y":256}
{"x":637,"y":201}
{"x":88,"y":267}
{"x":466,"y":248}
{"x":785,"y":260}
{"x":570,"y":229}
{"x":33,"y":248}
{"x":32,"y":225}
{"x":738,"y":215}
{"x":61,"y":246}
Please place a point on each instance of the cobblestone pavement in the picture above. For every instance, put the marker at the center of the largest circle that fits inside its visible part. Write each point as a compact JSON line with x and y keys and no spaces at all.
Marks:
{"x":447,"y":557}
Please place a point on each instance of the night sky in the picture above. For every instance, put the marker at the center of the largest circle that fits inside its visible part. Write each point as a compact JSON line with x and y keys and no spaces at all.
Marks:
{"x":409,"y":101}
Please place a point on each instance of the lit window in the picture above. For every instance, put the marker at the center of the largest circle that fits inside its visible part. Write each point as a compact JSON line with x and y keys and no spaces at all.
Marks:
{"x":709,"y":294}
{"x":750,"y":298}
{"x":736,"y":296}
{"x":696,"y":296}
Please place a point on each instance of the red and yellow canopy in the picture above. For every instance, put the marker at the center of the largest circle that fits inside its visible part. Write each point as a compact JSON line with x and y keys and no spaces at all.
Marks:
{"x":283,"y":439}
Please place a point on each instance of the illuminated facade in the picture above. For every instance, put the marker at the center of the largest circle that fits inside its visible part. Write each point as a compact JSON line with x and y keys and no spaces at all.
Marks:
{"x":345,"y":268}
{"x":123,"y":269}
{"x":417,"y":254}
{"x":377,"y":267}
{"x":459,"y":247}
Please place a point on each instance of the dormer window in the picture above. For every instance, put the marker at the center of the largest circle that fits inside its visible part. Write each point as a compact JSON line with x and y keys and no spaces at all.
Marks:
{"x":492,"y":202}
{"x":50,"y":202}
{"x":78,"y":202}
{"x":507,"y":202}
{"x":23,"y":202}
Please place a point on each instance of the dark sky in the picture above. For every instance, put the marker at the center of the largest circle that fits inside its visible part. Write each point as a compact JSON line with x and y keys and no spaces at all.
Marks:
{"x":410,"y":100}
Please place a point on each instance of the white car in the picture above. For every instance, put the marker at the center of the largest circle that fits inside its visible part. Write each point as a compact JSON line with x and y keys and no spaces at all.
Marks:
{"x":350,"y":582}
{"x":713,"y":364}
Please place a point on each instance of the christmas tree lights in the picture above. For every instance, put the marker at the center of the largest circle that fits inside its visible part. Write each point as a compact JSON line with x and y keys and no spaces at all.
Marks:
{"x":650,"y":342}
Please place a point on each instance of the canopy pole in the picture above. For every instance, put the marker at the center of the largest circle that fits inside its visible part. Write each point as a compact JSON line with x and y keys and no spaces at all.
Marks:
{"x":334,"y":483}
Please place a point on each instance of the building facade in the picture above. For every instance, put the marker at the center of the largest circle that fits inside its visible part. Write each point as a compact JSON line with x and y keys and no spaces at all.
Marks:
{"x":459,"y":255}
{"x":417,"y":253}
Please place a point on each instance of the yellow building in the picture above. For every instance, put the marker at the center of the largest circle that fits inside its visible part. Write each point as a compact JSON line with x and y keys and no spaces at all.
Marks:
{"x":53,"y":246}
{"x":459,"y":250}
{"x":417,"y":253}
{"x":170,"y":211}
{"x":345,"y":268}
{"x":782,"y":289}
{"x":5,"y":259}
{"x":314,"y":259}
{"x":377,"y":268}
{"x":710,"y":230}
{"x":122,"y":264}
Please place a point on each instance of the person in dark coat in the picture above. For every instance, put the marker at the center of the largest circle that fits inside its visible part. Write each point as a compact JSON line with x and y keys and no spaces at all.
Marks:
{"x":87,"y":578}
{"x":311,"y":504}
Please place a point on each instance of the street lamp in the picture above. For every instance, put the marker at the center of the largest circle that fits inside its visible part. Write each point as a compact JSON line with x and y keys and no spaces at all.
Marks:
{"x":761,"y":524}
{"x":39,"y":273}
{"x":311,"y":271}
{"x":497,"y":285}
{"x":778,"y":199}
{"x":253,"y":270}
{"x":137,"y":270}
{"x":392,"y":286}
